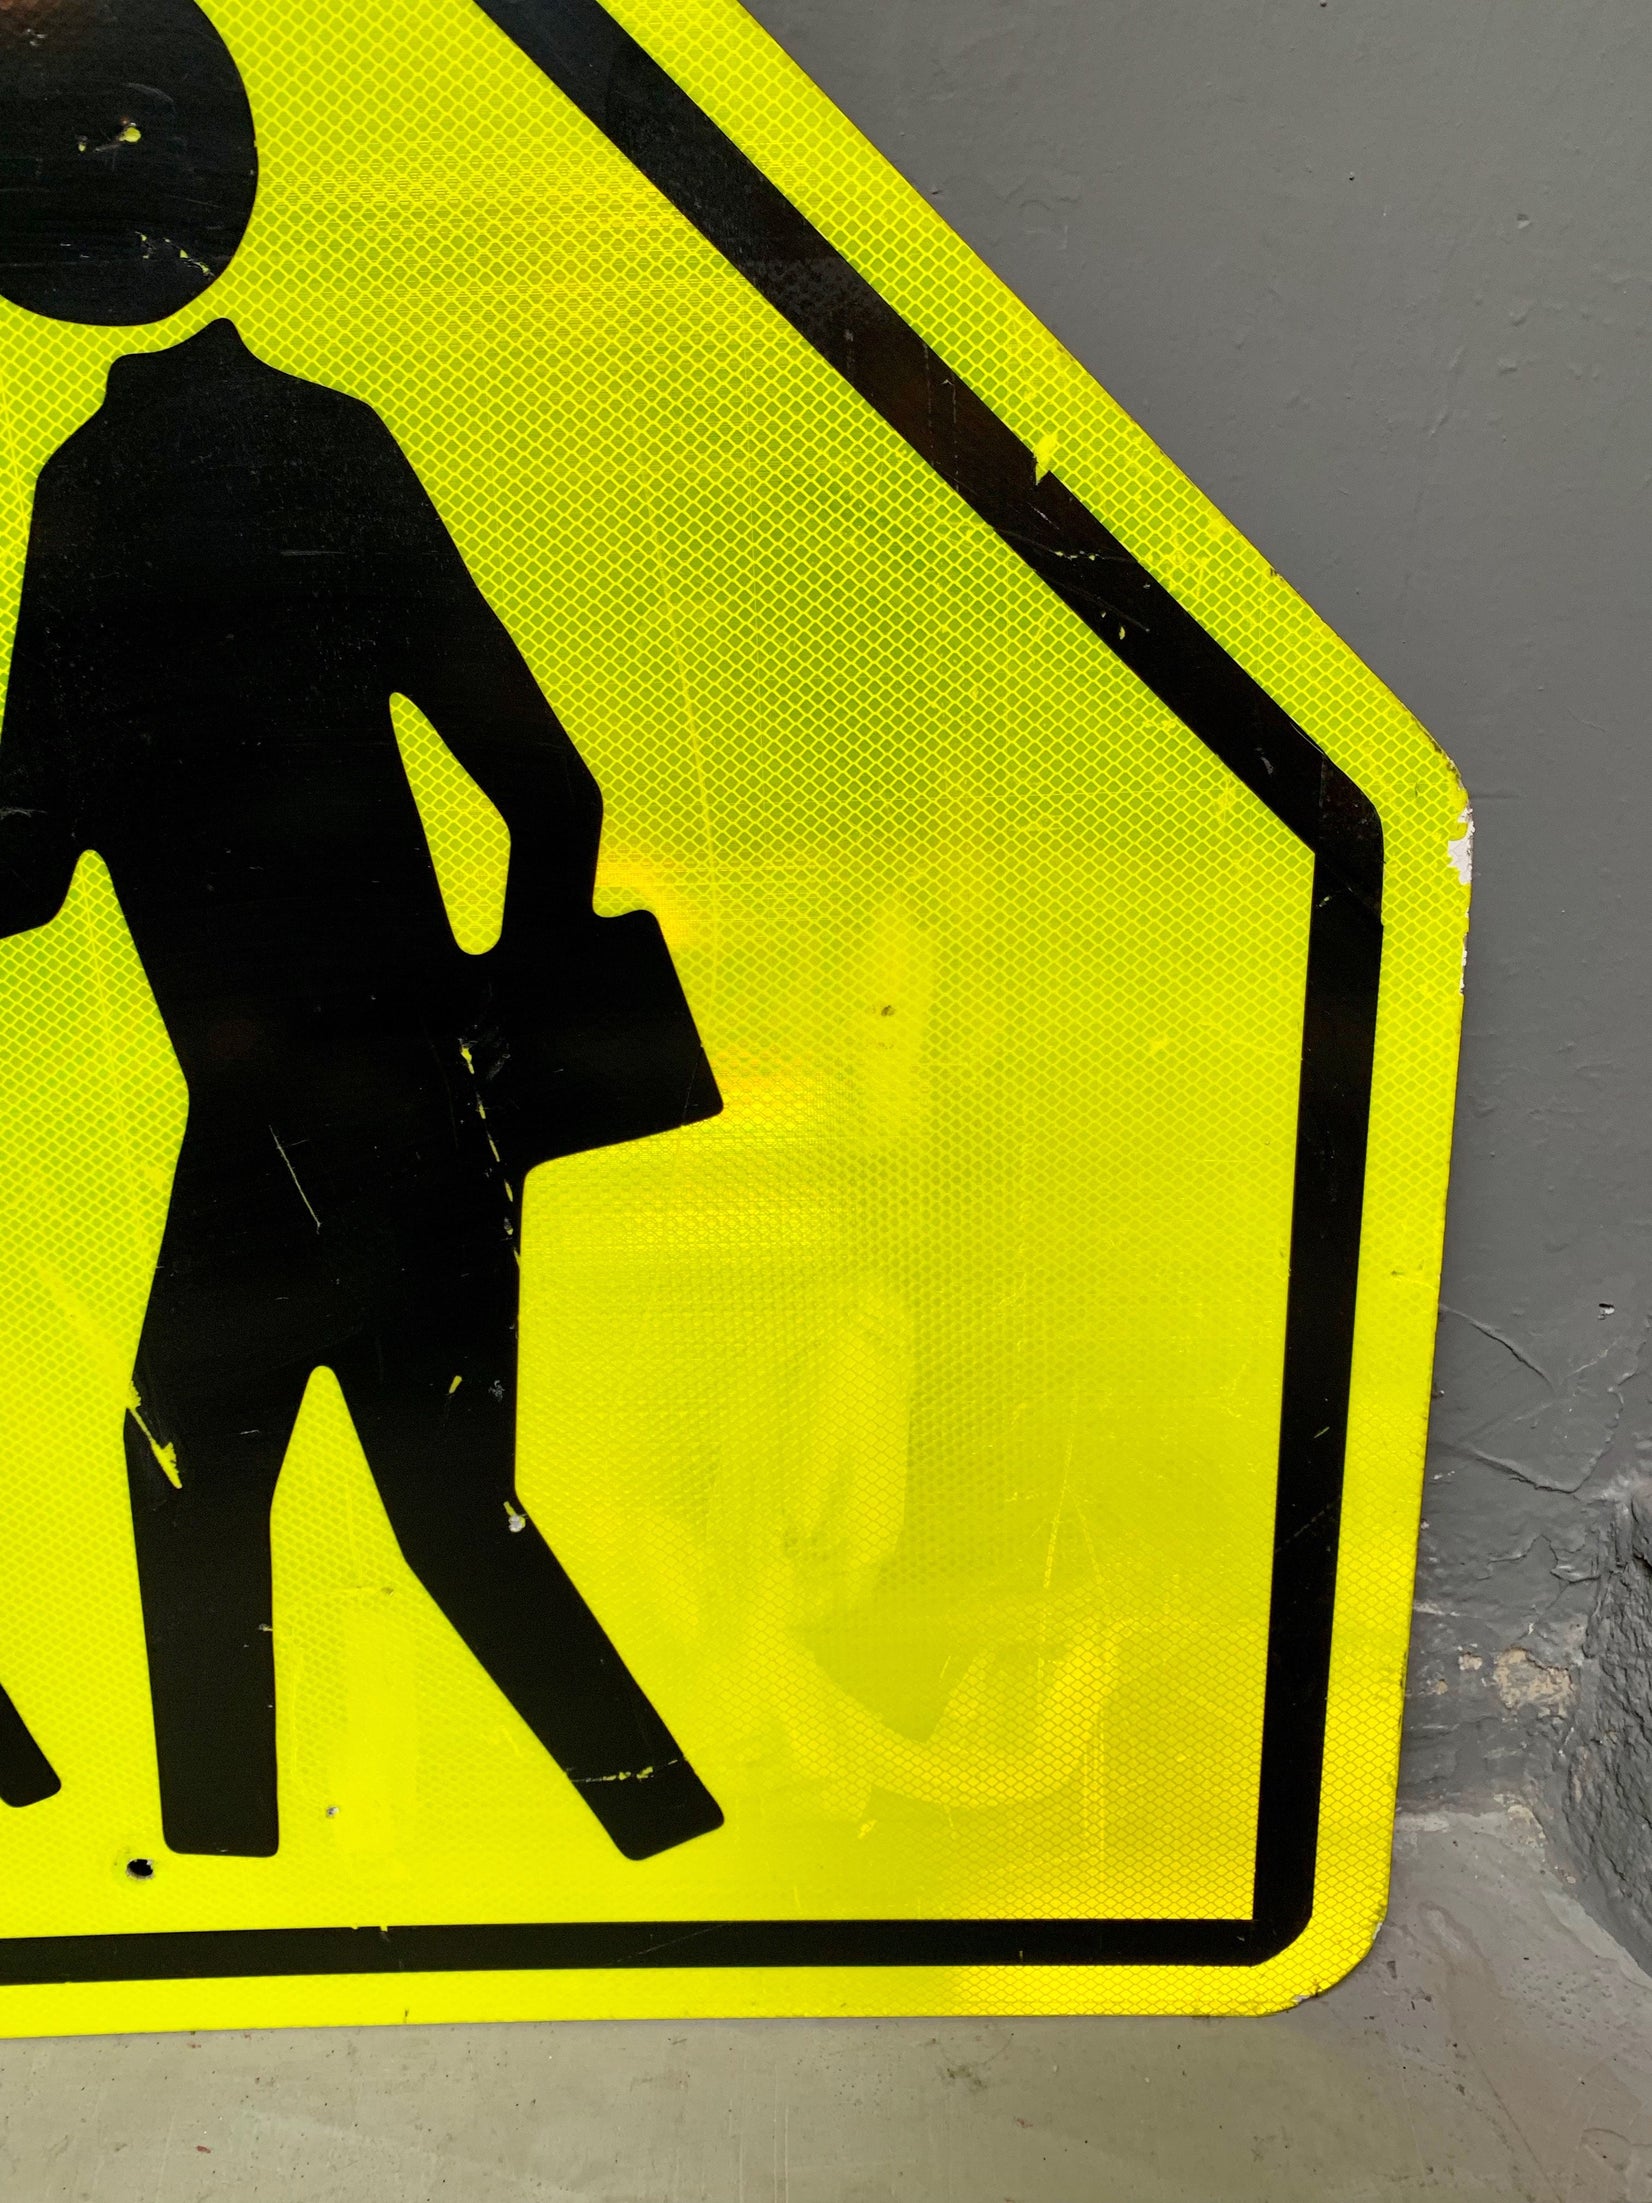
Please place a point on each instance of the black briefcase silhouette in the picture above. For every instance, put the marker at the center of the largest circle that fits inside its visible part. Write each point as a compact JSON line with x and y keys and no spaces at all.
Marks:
{"x":588,"y":1042}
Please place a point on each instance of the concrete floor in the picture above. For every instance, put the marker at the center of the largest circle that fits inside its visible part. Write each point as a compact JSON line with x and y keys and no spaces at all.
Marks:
{"x":1496,"y":2045}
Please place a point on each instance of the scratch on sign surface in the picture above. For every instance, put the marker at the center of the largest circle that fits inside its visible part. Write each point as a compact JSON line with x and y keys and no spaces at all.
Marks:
{"x":293,"y":1175}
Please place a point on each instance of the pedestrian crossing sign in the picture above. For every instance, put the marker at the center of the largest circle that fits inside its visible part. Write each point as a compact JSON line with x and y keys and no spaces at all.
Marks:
{"x":726,"y":1059}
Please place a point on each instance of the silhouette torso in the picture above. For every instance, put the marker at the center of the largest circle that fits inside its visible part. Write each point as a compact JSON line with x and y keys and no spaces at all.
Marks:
{"x":230,"y":572}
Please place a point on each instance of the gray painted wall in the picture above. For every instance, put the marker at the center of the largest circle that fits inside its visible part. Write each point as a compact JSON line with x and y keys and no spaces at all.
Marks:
{"x":1380,"y":279}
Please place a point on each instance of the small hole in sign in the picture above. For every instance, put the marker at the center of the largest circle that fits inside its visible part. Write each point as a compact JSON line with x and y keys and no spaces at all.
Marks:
{"x":141,"y":1870}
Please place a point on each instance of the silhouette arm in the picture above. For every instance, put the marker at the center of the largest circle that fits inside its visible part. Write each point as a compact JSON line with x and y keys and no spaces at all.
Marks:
{"x":40,"y":837}
{"x":453,"y":656}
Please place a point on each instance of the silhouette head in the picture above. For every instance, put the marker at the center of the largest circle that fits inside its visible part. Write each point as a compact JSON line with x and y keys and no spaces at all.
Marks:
{"x":128,"y":165}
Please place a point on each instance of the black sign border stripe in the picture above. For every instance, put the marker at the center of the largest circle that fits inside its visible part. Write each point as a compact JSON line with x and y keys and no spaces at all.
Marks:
{"x":653,"y":122}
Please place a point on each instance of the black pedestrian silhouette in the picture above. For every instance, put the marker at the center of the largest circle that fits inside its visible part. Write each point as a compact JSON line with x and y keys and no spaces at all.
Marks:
{"x":230,"y":571}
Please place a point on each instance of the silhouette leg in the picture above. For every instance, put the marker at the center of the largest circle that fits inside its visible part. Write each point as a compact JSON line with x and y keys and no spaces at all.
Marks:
{"x":26,"y":1774}
{"x":437,"y":1425}
{"x":203,"y":1547}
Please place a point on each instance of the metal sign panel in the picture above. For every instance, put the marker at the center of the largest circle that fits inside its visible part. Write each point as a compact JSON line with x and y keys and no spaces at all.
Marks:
{"x":843,"y":1434}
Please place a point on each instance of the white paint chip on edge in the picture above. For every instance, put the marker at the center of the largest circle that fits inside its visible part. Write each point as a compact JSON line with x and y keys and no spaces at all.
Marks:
{"x":1461,"y":851}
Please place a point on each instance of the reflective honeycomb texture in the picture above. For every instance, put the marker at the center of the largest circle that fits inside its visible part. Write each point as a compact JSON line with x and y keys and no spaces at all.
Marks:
{"x":912,"y":1425}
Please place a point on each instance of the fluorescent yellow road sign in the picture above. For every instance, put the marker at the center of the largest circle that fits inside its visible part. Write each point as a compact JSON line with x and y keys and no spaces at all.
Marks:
{"x":935,"y":1532}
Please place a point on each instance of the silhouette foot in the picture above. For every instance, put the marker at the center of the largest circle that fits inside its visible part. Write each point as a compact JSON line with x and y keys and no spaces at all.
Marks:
{"x":653,"y":1810}
{"x":195,"y":1828}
